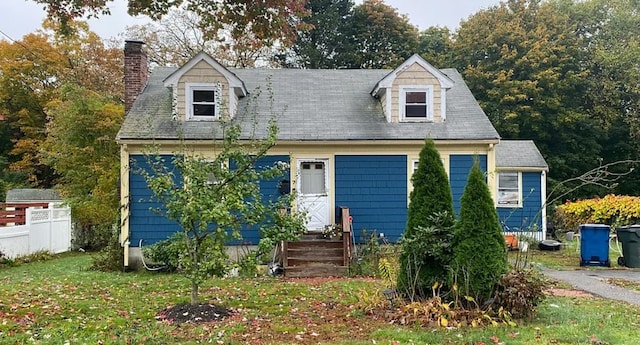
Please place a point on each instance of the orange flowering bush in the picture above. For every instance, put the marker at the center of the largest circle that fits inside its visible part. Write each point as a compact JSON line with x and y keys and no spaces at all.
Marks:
{"x":614,"y":210}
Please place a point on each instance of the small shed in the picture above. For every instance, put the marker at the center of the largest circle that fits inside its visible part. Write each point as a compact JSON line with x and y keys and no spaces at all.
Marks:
{"x":33,"y":196}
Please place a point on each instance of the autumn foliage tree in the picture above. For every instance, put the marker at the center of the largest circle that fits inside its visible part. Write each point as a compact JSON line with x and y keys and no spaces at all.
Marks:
{"x":179,"y":35}
{"x":562,"y":73}
{"x":32,"y":72}
{"x":524,"y":63}
{"x":246,"y":28}
{"x":81,"y":149}
{"x":29,"y":79}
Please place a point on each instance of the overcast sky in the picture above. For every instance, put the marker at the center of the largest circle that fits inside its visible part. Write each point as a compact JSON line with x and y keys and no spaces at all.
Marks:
{"x":19,"y":17}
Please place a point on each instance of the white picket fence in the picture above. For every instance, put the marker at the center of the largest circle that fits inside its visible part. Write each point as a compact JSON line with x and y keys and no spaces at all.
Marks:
{"x":46,"y":229}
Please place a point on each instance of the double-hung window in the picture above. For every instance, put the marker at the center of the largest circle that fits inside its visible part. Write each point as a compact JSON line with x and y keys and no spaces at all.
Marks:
{"x":202,"y":101}
{"x":509,"y":190}
{"x":416,"y":103}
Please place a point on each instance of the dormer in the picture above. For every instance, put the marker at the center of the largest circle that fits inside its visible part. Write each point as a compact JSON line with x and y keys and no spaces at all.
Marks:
{"x":414,"y":92}
{"x":204,"y":90}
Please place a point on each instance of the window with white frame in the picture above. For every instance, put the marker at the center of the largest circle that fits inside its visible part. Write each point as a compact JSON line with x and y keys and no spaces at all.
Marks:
{"x":416,"y":163}
{"x":214,"y":172}
{"x":414,"y":167}
{"x":416,"y":103}
{"x":509,"y":189}
{"x":202,"y":101}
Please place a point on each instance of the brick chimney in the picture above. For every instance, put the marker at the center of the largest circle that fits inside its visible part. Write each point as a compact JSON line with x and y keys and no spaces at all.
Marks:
{"x":136,"y":72}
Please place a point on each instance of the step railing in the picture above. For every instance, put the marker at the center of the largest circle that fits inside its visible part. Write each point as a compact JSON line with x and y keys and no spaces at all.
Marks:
{"x":345,"y":220}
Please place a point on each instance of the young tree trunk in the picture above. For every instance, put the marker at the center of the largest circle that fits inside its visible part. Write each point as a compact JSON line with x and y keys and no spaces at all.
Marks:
{"x":194,"y":293}
{"x":194,"y":252}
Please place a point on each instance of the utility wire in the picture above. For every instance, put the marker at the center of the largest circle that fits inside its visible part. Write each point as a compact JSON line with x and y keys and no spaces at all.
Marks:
{"x":20,"y":44}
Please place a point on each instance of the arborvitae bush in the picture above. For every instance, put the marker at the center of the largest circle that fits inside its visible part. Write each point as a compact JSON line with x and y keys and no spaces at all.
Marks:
{"x":426,"y":251}
{"x":479,"y":247}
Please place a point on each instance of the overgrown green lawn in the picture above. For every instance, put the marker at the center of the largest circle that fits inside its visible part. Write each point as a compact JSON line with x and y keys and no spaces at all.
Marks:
{"x":61,"y":302}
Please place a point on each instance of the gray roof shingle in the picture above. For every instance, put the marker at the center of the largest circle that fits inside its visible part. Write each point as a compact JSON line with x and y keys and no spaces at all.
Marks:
{"x":519,"y":154}
{"x":32,"y":195}
{"x":310,"y":105}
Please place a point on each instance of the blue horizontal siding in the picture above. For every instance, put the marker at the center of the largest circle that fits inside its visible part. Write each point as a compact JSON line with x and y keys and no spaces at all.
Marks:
{"x":374,"y":188}
{"x":145,"y":223}
{"x":529,"y":215}
{"x":459,"y":167}
{"x":268,"y":190}
{"x":151,"y":226}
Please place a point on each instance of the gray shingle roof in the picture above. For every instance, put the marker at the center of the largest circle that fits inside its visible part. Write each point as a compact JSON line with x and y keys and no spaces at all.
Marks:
{"x":519,"y":153}
{"x":32,"y":195}
{"x":324,"y":105}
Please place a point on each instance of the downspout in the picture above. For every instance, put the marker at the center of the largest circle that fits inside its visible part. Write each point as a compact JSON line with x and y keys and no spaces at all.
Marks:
{"x":124,"y":201}
{"x":543,"y":192}
{"x":491,"y":172}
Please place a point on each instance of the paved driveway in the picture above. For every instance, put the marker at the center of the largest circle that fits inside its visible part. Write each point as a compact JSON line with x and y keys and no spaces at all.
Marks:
{"x":593,"y":281}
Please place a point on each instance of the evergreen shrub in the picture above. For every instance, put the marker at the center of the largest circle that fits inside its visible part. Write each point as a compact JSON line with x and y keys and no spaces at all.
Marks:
{"x":479,"y":247}
{"x":426,"y":251}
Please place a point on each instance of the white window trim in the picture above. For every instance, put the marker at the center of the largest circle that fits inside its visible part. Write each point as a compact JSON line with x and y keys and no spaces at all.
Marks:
{"x":402,"y":102}
{"x":413,"y":166}
{"x":190,"y":87}
{"x":519,"y":176}
{"x":211,"y":176}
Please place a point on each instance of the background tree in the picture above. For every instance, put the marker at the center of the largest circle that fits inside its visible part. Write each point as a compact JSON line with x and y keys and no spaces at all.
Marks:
{"x":32,"y":71}
{"x":608,"y":30}
{"x":29,"y":79}
{"x":435,"y":46}
{"x":426,"y":244}
{"x":479,"y":249}
{"x":179,"y":35}
{"x":81,"y":149}
{"x":212,"y":199}
{"x":246,"y":27}
{"x":174,"y":39}
{"x":382,"y":37}
{"x":326,"y":41}
{"x":525,"y":64}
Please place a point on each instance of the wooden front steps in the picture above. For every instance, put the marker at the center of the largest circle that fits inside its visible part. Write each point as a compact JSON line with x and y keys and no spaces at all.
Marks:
{"x":315,"y":256}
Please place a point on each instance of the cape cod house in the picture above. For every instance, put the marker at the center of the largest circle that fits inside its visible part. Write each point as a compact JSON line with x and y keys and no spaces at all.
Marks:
{"x":351,"y":137}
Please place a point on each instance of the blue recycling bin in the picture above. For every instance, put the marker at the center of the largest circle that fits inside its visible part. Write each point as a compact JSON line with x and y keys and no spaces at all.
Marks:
{"x":594,"y":245}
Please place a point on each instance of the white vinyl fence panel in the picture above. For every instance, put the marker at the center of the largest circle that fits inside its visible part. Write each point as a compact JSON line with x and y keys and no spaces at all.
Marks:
{"x":45,"y":229}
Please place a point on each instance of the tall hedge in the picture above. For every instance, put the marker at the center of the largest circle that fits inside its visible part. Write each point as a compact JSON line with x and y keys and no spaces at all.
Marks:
{"x":479,"y":246}
{"x":615,"y":210}
{"x":426,"y":245}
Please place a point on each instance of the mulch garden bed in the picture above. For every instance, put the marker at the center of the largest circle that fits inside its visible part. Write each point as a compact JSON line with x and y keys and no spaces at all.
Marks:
{"x":193,"y":313}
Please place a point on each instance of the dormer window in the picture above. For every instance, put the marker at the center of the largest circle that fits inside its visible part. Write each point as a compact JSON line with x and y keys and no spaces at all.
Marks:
{"x":416,"y":103}
{"x":202,"y":101}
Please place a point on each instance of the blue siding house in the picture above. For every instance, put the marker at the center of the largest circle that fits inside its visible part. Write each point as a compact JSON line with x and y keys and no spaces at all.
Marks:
{"x":352,"y":139}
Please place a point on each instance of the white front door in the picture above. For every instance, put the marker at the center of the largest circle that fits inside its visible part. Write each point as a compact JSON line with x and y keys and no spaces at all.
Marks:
{"x":313,"y":192}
